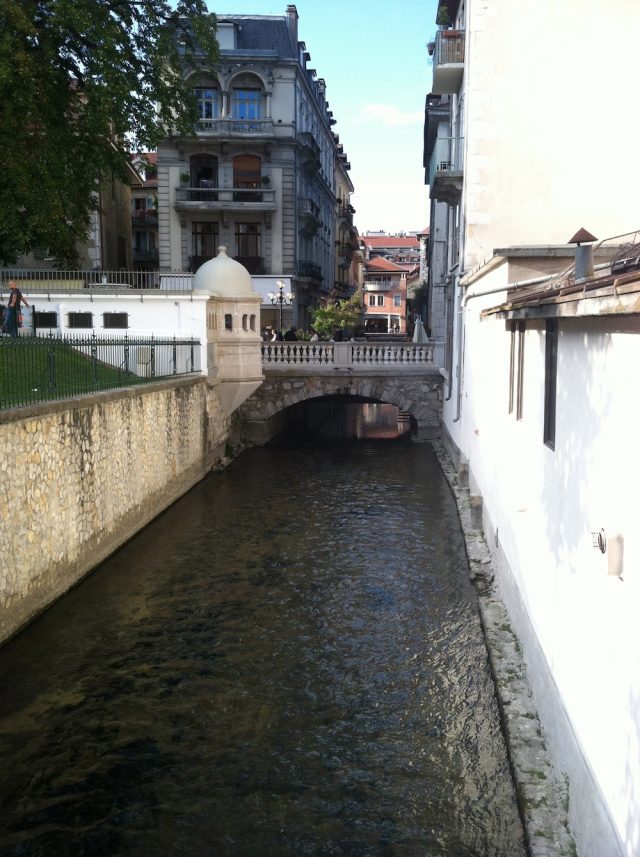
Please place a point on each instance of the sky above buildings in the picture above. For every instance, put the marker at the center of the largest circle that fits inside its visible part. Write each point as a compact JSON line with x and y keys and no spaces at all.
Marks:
{"x":374,"y":60}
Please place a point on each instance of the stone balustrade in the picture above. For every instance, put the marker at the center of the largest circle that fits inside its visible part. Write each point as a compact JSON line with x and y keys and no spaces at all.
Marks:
{"x":381,"y":356}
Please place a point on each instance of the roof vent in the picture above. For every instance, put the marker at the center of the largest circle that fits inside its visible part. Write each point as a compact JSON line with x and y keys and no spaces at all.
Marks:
{"x":584,"y":254}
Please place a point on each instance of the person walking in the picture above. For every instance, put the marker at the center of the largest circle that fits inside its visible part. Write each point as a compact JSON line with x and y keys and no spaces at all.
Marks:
{"x":291,"y":335}
{"x":13,"y":309}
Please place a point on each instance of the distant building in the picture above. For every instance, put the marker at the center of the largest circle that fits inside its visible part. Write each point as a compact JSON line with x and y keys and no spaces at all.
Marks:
{"x":385,"y":297}
{"x":402,"y":249}
{"x":263,"y":173}
{"x":144,"y":213}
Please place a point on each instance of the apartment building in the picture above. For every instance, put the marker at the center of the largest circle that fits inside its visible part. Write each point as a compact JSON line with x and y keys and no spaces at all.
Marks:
{"x":258,"y":175}
{"x":385,"y":297}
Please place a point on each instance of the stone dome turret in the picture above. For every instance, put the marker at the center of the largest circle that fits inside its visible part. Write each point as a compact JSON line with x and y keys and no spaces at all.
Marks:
{"x":223,"y":277}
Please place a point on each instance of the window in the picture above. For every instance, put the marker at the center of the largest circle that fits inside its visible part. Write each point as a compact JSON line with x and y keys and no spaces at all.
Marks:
{"x":380,"y":300}
{"x":45,"y":319}
{"x":252,"y":322}
{"x":550,"y":376}
{"x":248,"y":246}
{"x":228,"y":321}
{"x":397,"y":300}
{"x":112,"y":320}
{"x":247,"y":173}
{"x":204,"y":239}
{"x":208,"y":103}
{"x":77,"y":320}
{"x":372,"y":300}
{"x":245,"y":322}
{"x":246,"y":103}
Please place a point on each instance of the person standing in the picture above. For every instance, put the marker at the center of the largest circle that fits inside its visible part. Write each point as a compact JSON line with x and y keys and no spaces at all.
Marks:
{"x":13,"y":309}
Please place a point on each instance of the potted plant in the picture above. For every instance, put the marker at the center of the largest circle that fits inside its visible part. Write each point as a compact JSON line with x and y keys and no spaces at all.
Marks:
{"x":443,"y":19}
{"x":266,"y":181}
{"x":185,"y":179}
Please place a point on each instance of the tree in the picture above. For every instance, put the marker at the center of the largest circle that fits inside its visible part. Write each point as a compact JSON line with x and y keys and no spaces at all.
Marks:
{"x":82,"y":83}
{"x":336,"y":315}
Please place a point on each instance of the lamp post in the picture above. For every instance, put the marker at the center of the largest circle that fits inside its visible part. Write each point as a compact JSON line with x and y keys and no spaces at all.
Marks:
{"x":281,"y":298}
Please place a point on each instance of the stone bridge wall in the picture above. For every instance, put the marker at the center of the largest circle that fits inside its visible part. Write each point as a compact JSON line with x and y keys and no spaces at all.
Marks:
{"x":263,"y":414}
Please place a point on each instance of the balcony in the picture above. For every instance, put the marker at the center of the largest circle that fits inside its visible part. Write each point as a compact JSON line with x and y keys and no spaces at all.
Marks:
{"x":253,"y":264}
{"x":310,"y":270}
{"x":145,"y":257}
{"x":225,"y":199}
{"x":235,"y":128}
{"x":448,"y":61}
{"x":446,"y":169}
{"x":142,"y":217}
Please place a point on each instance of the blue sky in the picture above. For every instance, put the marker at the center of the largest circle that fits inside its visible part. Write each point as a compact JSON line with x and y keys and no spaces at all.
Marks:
{"x":374,"y":60}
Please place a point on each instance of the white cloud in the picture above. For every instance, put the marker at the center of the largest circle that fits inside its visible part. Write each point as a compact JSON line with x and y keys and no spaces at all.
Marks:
{"x":388,"y":115}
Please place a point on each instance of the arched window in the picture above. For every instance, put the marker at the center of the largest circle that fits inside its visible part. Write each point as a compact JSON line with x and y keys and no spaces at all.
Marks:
{"x":208,"y":99}
{"x":246,"y":98}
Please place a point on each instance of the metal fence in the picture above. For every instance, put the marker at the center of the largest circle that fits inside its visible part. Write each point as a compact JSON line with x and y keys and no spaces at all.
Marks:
{"x":41,"y":368}
{"x":56,"y":281}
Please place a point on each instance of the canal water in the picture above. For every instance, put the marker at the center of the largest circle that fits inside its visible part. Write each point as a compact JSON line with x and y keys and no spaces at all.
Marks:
{"x":287,"y":662}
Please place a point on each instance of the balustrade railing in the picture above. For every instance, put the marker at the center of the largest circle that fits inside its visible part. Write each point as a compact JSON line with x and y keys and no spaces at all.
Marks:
{"x":347,"y":355}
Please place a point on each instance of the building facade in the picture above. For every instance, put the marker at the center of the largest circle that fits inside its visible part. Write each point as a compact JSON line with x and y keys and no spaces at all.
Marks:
{"x":259,"y":173}
{"x":385,"y":297}
{"x":513,"y":158}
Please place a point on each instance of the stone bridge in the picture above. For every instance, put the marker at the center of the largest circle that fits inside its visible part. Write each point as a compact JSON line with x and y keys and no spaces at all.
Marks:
{"x":401,"y":374}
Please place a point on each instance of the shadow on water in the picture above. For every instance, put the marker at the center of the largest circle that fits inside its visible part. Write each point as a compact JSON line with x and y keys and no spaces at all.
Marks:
{"x":289,"y":661}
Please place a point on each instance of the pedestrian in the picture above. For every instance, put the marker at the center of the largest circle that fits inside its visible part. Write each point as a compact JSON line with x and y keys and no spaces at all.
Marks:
{"x":13,"y":309}
{"x":291,"y":335}
{"x":314,"y":336}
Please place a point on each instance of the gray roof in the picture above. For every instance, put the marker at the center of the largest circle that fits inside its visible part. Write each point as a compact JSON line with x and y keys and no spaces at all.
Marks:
{"x":262,"y":33}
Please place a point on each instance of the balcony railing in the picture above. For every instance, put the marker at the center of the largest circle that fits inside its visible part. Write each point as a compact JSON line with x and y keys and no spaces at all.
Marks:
{"x":236,"y":127}
{"x":448,"y":61}
{"x":309,"y":269}
{"x":61,"y":281}
{"x":215,"y":198}
{"x":445,"y":168}
{"x":144,"y":217}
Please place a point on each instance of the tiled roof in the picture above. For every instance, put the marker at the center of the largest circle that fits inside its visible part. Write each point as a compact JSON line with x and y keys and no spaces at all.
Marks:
{"x":258,"y":33}
{"x":377,"y":242}
{"x":380,"y":264}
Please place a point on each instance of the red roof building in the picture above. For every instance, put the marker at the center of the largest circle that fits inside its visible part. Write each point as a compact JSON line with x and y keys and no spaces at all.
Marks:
{"x":385,"y":297}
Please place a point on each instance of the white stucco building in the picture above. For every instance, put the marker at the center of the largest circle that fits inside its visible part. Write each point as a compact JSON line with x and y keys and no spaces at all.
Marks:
{"x":540,"y":403}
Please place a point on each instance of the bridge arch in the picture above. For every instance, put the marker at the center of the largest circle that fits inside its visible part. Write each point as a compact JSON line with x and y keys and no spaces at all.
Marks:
{"x":263,"y":414}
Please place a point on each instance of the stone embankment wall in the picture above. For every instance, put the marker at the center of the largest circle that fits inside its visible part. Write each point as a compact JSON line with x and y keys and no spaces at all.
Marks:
{"x":79,"y":478}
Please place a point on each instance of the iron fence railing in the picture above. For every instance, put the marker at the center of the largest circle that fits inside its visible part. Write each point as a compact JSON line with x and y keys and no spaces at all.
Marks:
{"x":82,"y":282}
{"x":42,"y":368}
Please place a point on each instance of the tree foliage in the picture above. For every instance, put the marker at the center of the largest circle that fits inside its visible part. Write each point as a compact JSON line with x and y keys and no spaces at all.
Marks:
{"x":82,"y":82}
{"x":336,"y":315}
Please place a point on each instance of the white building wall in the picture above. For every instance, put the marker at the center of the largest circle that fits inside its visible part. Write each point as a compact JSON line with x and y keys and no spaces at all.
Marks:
{"x":577,"y":622}
{"x":546,"y":84}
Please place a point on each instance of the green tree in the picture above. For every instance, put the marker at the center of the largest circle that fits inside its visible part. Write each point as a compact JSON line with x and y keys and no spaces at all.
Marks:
{"x":82,"y":83}
{"x":337,"y":315}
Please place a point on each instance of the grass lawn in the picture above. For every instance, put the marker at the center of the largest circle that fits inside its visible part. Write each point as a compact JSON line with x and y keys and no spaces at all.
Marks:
{"x":36,"y":370}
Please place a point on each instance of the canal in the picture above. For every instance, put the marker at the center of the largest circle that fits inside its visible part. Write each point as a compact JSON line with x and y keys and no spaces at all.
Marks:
{"x":288,"y":662}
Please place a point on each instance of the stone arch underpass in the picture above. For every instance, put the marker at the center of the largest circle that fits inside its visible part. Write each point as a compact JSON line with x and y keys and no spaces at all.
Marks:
{"x":263,"y":414}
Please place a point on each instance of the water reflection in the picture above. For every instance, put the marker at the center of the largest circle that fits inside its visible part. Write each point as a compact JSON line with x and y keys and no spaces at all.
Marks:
{"x":288,"y":662}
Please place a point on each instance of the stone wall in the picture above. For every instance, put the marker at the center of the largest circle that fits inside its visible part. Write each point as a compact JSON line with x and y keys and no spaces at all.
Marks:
{"x":81,"y":477}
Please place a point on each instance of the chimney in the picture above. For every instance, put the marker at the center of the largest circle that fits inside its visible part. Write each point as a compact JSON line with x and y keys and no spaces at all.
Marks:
{"x":292,"y":16}
{"x":584,"y":254}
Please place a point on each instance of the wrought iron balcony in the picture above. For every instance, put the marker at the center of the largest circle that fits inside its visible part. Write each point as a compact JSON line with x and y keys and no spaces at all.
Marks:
{"x":229,"y":199}
{"x":310,"y":270}
{"x":446,"y":169}
{"x":448,"y":61}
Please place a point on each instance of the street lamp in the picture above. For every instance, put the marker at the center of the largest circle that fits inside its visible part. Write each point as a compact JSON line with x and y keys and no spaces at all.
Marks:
{"x":280,"y":298}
